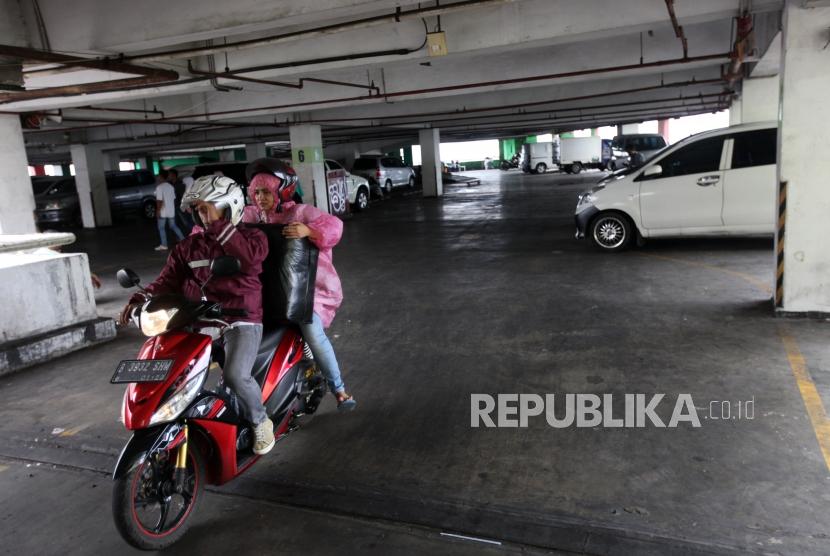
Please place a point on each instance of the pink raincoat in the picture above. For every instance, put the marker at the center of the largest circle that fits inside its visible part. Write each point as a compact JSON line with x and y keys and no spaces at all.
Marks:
{"x":328,"y":293}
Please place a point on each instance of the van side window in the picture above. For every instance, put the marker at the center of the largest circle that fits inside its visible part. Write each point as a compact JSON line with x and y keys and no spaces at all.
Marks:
{"x":700,"y":156}
{"x":755,"y":148}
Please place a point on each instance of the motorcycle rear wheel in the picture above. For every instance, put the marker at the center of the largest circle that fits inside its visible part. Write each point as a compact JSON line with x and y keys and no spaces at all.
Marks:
{"x":150,"y":484}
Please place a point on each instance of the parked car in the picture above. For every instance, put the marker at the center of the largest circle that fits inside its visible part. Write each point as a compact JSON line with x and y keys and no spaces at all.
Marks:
{"x":41,"y":183}
{"x":647,"y":144}
{"x":233,"y":170}
{"x":613,"y":158}
{"x":384,"y":171}
{"x":359,"y":189}
{"x":130,"y":192}
{"x":715,"y":183}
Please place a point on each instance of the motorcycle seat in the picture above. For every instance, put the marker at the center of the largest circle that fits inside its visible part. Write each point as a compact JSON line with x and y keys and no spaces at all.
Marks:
{"x":271,"y":338}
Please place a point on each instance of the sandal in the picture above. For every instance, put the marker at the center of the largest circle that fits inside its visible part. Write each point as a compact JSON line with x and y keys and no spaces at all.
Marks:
{"x":346,"y":404}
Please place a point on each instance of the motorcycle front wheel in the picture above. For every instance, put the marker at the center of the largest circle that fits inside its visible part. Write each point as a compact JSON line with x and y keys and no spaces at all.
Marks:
{"x":150,"y":511}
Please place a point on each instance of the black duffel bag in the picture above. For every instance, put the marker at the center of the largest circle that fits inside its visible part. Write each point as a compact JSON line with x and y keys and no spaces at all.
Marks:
{"x":288,"y":275}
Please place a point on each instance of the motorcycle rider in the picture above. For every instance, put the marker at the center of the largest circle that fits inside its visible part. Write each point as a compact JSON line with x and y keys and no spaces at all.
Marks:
{"x":217,"y":203}
{"x":271,"y":186}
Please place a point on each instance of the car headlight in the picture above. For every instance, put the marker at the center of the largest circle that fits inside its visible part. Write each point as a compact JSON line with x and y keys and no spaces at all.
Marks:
{"x":587,"y":198}
{"x":54,"y":205}
{"x":179,"y":401}
{"x":155,"y":323}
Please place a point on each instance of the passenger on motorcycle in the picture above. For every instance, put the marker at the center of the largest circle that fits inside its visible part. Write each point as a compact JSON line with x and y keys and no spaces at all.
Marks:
{"x":217,"y":203}
{"x":271,"y":187}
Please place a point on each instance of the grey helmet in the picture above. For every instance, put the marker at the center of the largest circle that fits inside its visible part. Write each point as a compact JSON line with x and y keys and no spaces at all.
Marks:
{"x":220,"y":190}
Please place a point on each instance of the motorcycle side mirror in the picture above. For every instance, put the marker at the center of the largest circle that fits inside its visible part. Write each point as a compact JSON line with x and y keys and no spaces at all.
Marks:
{"x":127,"y":278}
{"x":225,"y":265}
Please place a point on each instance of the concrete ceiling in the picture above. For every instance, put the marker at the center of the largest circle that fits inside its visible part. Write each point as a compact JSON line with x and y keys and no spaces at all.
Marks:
{"x":513,"y":67}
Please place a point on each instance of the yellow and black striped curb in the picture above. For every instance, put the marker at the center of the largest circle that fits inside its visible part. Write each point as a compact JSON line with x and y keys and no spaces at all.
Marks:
{"x":779,"y":244}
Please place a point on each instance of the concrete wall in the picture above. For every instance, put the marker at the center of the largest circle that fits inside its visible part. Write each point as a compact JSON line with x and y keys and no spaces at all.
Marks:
{"x":759,"y":99}
{"x":804,"y":136}
{"x":44,"y":291}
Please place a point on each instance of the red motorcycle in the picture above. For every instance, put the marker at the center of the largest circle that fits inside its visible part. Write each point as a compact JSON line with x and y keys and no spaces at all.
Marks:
{"x":184,"y":434}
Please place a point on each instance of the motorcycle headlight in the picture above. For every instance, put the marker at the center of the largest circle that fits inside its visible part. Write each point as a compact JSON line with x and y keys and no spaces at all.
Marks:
{"x":179,"y":401}
{"x":155,"y":323}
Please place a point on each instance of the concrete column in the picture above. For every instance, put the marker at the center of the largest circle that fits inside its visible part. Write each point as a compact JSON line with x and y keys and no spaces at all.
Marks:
{"x":92,"y":186}
{"x":759,"y":99}
{"x":226,"y":156}
{"x":146,"y":162}
{"x":255,"y":150}
{"x":307,"y":159}
{"x":111,"y":162}
{"x":663,"y":128}
{"x":803,"y":282}
{"x":17,"y":208}
{"x":735,"y":112}
{"x":431,"y":179}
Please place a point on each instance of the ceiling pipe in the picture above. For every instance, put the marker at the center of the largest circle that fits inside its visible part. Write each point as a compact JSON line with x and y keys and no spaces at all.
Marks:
{"x":520,"y":105}
{"x":413,"y":92}
{"x":450,"y":118}
{"x":148,"y":75}
{"x":295,"y":64}
{"x":235,"y":75}
{"x":396,"y":17}
{"x":678,"y":29}
{"x":554,"y":116}
{"x":154,"y":111}
{"x":106,"y":64}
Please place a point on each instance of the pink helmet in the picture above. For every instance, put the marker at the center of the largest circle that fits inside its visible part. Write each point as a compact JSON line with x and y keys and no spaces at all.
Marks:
{"x":273,"y":168}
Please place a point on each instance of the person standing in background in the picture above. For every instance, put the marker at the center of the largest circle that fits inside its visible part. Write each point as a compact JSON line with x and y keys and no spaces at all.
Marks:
{"x":183,"y":219}
{"x":166,"y":209}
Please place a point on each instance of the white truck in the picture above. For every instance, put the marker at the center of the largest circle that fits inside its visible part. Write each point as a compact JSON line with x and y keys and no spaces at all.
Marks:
{"x":538,"y":158}
{"x":578,"y":153}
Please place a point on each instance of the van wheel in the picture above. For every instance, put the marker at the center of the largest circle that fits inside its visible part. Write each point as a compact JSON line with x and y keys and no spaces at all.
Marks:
{"x":411,"y":183}
{"x":148,"y":210}
{"x":610,"y":231}
{"x":387,"y":187}
{"x":541,"y":168}
{"x":576,"y":168}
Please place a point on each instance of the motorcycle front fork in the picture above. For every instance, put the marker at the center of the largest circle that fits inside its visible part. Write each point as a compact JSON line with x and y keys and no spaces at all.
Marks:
{"x":180,"y":471}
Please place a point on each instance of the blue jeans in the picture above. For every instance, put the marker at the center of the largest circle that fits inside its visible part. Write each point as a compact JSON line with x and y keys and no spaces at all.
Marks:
{"x":162,"y":225}
{"x":323,"y":352}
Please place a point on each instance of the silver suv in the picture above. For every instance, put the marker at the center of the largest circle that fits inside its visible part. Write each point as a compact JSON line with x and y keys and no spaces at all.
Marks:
{"x":647,"y":144}
{"x":384,"y":171}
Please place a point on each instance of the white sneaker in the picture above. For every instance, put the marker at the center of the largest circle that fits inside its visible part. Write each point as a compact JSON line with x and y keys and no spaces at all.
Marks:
{"x":264,"y":437}
{"x":161,"y":248}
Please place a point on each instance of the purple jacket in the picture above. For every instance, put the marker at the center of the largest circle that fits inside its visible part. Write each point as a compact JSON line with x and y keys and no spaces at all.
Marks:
{"x":189,"y":264}
{"x":328,"y":293}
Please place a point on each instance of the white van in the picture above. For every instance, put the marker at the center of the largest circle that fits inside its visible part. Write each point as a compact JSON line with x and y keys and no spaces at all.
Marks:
{"x":720,"y":182}
{"x":538,"y":158}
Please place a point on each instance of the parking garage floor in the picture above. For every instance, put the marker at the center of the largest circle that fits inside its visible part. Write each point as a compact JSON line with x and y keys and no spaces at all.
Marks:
{"x":483,"y":291}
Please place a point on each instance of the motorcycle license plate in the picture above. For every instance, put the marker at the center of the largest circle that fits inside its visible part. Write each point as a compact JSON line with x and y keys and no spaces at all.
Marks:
{"x":142,"y":370}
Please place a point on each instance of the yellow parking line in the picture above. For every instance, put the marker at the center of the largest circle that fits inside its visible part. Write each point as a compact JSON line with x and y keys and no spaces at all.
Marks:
{"x":798,"y":365}
{"x":809,"y":393}
{"x":760,"y":284}
{"x":74,"y":430}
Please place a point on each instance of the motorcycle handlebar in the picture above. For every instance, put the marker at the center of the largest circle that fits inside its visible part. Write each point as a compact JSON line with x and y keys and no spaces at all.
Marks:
{"x":235,"y":312}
